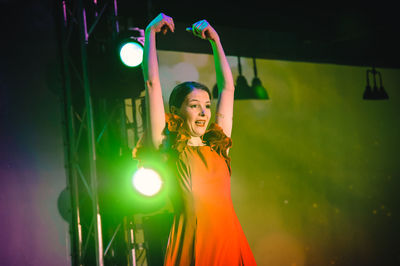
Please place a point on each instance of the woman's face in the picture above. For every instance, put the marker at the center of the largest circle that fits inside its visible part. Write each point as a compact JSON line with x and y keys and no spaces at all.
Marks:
{"x":196,"y":111}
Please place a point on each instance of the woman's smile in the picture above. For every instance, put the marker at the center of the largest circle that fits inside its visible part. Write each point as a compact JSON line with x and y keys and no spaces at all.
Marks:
{"x":196,"y":111}
{"x":200,"y":123}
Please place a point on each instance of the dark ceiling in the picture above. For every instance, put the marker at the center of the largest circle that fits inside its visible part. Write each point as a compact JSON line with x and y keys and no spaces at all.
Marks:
{"x":329,"y":32}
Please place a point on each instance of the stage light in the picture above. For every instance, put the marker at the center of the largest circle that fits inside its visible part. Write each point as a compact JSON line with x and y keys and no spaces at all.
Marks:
{"x":382,"y":93}
{"x":130,"y":48}
{"x":131,"y":54}
{"x":256,"y":85}
{"x":375,"y":93}
{"x":242,"y":88}
{"x":147,"y":182}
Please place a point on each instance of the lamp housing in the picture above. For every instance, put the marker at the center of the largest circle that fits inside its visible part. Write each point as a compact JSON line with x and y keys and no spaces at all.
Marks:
{"x":130,"y":45}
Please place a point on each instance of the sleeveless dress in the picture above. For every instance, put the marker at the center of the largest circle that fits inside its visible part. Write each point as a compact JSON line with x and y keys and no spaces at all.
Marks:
{"x":205,"y":230}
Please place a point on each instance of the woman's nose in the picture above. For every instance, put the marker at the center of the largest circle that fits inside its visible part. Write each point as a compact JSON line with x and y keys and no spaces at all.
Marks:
{"x":202,"y":111}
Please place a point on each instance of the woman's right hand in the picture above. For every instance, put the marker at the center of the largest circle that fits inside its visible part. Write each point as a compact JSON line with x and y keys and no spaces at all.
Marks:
{"x":162,"y":23}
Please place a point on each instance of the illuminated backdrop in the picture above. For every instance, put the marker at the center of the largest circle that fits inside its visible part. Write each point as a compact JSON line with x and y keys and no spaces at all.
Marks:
{"x":315,"y":168}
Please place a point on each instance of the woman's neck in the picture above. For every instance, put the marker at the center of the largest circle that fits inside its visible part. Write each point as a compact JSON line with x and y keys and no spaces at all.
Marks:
{"x":195,"y":141}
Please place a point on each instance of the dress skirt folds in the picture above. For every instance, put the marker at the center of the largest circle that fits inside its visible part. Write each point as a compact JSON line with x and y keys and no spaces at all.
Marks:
{"x":205,"y":230}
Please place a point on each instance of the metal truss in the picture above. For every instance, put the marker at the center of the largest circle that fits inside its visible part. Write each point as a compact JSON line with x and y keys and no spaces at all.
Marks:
{"x":86,"y":139}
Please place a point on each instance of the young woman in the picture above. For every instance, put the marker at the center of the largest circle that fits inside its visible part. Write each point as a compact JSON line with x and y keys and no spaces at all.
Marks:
{"x":206,"y":230}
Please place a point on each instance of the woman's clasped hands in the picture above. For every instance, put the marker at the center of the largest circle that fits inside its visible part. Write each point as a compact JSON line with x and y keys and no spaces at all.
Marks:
{"x":202,"y":29}
{"x":162,"y":23}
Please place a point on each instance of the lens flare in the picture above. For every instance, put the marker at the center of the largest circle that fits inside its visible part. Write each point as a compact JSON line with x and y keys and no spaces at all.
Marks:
{"x":131,"y":54}
{"x":147,"y":182}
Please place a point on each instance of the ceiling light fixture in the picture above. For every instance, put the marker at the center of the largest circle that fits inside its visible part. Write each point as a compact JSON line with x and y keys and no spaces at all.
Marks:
{"x":258,"y":89}
{"x":242,"y":88}
{"x":375,"y":93}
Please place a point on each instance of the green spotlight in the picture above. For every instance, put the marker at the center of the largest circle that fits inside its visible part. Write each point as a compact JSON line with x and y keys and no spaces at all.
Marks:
{"x":131,"y":53}
{"x":147,"y":182}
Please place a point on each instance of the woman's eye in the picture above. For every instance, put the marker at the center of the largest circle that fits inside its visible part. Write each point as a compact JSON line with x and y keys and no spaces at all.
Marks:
{"x":197,"y":106}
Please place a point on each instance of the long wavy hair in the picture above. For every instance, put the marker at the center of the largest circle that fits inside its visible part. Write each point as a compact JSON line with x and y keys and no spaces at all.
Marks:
{"x":181,"y":90}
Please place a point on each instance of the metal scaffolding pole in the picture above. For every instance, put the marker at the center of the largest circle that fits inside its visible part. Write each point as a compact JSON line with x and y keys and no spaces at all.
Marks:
{"x":98,"y":237}
{"x":75,"y":227}
{"x":83,"y":115}
{"x":81,"y":171}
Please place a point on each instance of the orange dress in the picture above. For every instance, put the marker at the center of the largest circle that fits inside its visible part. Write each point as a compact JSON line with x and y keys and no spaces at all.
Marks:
{"x":205,"y":230}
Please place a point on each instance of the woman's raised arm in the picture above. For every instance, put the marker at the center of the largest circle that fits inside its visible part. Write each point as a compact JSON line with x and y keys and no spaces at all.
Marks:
{"x":154,"y":101}
{"x":224,"y":77}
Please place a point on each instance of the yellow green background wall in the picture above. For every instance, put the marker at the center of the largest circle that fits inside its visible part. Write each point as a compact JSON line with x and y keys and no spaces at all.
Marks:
{"x":316,"y":167}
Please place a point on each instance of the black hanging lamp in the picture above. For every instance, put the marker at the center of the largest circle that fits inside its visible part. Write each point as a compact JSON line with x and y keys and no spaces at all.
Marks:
{"x":256,"y":86}
{"x":375,"y":93}
{"x":242,"y":88}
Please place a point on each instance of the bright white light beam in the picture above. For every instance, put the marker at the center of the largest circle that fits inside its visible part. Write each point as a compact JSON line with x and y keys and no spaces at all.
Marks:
{"x":131,"y":54}
{"x":147,"y":182}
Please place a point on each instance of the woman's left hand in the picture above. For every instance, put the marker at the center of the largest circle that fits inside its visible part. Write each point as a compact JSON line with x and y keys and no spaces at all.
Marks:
{"x":203,"y":30}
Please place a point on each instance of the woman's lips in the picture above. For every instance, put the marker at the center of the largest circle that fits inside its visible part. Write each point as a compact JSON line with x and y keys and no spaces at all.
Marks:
{"x":200,"y":123}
